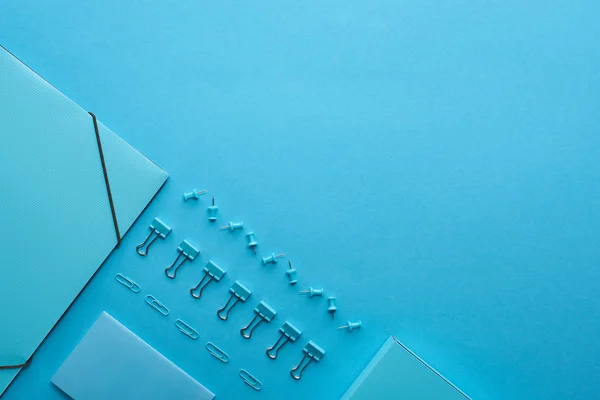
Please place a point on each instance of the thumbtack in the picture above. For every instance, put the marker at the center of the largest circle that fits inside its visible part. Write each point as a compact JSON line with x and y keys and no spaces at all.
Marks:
{"x":311,"y":351}
{"x":194,"y":194}
{"x":291,"y":273}
{"x":252,"y":243}
{"x":234,"y":226}
{"x":352,"y":326}
{"x":185,"y":250}
{"x":211,"y":271}
{"x":262,"y":311}
{"x":289,"y":333}
{"x":313,"y":292}
{"x":272,"y":259}
{"x":212,"y":211}
{"x":332,"y":306}
{"x":157,"y":228}
{"x":239,"y":292}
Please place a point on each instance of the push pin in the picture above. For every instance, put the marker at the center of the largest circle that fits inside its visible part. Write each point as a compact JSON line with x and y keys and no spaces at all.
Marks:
{"x":193,"y":195}
{"x":157,"y":228}
{"x":239,"y":292}
{"x":233,"y":226}
{"x":188,"y":252}
{"x":211,"y":271}
{"x":272,"y":259}
{"x":264,"y":313}
{"x":312,"y":352}
{"x":313,"y":292}
{"x":252,"y":243}
{"x":352,"y":326}
{"x":332,"y":306}
{"x":212,"y":211}
{"x":289,"y":333}
{"x":291,"y":273}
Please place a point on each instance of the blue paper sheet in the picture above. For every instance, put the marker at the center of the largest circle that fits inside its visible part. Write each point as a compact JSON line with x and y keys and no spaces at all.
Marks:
{"x":56,"y":226}
{"x":397,"y":373}
{"x":111,"y":362}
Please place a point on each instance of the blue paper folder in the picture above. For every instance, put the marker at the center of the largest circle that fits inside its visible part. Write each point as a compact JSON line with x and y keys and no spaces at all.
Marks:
{"x":111,"y":362}
{"x":56,"y":224}
{"x":397,"y":373}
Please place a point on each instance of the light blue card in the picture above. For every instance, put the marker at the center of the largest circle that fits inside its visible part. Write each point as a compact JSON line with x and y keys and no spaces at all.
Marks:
{"x":111,"y":362}
{"x":56,"y":225}
{"x":397,"y":373}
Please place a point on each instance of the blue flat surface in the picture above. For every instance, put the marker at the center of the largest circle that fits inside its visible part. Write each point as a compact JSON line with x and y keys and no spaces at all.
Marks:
{"x":433,"y":165}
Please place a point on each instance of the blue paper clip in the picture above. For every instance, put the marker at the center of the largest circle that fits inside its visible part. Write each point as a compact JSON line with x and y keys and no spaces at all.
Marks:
{"x":289,"y":333}
{"x":211,"y":271}
{"x":158,"y":228}
{"x":250,"y":380}
{"x":264,"y":313}
{"x":157,"y":305}
{"x":186,"y":329}
{"x":239,"y":292}
{"x":216,"y":352}
{"x":188,"y":252}
{"x":312,"y":352}
{"x":128,"y":283}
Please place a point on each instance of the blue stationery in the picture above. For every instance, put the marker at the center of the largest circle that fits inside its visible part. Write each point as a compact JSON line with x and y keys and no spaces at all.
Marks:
{"x":395,"y":372}
{"x":111,"y":362}
{"x":69,"y":189}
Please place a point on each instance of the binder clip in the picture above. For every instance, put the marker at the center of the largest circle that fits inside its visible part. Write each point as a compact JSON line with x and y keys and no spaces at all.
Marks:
{"x":188,"y":252}
{"x":212,"y":211}
{"x":252,"y":243}
{"x":239,"y":292}
{"x":158,"y":228}
{"x":272,"y":259}
{"x":312,"y":352}
{"x":211,"y":271}
{"x":289,"y":333}
{"x":193,"y":195}
{"x":264,"y":313}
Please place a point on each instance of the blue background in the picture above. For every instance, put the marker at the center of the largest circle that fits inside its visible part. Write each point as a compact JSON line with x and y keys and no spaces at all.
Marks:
{"x":432,"y":164}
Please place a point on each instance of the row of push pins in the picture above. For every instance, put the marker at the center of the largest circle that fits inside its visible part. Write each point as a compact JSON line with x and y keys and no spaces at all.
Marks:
{"x":331,"y":301}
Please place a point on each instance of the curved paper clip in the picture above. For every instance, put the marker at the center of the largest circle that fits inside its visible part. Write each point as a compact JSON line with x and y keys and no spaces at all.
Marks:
{"x":311,"y":351}
{"x":238,"y":292}
{"x":157,"y":305}
{"x":216,"y":352}
{"x":157,"y":228}
{"x":250,"y":380}
{"x":186,"y":329}
{"x":128,"y":283}
{"x":289,"y":333}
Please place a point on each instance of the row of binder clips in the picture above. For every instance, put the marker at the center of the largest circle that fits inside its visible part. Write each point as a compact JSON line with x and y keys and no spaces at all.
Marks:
{"x":240,"y":293}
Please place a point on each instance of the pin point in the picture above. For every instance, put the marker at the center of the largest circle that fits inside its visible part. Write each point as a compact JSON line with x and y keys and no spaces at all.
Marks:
{"x":352,"y":326}
{"x":252,"y":243}
{"x":264,"y":313}
{"x":291,"y":273}
{"x":239,"y":292}
{"x":157,"y":228}
{"x":233,"y":226}
{"x":272,"y":259}
{"x":212,"y":211}
{"x":194,"y":194}
{"x":289,"y":333}
{"x":188,"y":252}
{"x":313,"y":292}
{"x":211,"y":271}
{"x":332,"y":306}
{"x":312,"y":352}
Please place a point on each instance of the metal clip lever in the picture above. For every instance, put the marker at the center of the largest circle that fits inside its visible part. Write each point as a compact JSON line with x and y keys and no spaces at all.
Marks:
{"x":312,"y":352}
{"x":238,"y":292}
{"x":157,"y":228}
{"x":263,"y":313}
{"x":211,"y":271}
{"x":289,"y":333}
{"x":186,"y":250}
